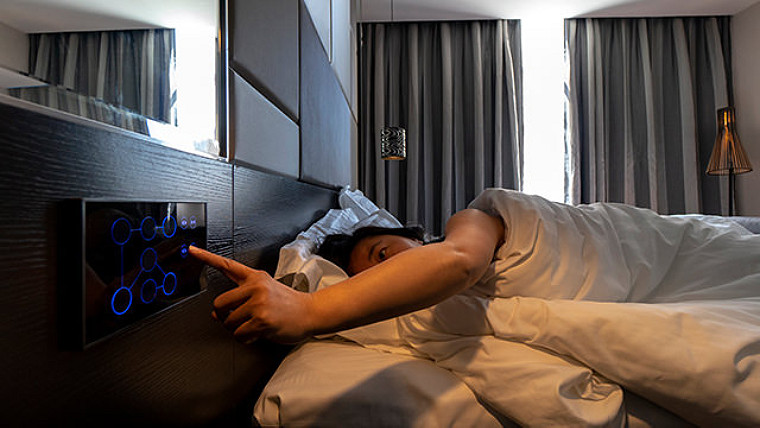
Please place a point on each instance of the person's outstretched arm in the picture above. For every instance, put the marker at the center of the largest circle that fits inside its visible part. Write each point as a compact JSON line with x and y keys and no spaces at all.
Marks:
{"x":408,"y":281}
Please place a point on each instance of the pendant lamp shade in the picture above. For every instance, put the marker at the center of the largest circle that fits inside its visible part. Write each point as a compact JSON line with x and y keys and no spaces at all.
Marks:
{"x":728,"y":155}
{"x":393,"y":143}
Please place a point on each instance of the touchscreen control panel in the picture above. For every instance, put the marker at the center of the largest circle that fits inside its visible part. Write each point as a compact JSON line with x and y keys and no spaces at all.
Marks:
{"x":135,"y":261}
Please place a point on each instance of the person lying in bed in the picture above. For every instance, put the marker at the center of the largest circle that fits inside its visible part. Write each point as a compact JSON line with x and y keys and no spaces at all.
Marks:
{"x":264,"y":307}
{"x":543,"y":296}
{"x":505,"y":244}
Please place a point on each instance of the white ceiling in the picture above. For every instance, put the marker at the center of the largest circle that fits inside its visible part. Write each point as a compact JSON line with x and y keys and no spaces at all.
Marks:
{"x":424,"y":10}
{"x":31,"y":16}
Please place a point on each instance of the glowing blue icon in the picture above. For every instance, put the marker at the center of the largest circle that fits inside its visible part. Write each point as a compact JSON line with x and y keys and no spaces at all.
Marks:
{"x":148,"y":291}
{"x":170,"y":283}
{"x":169,"y":226}
{"x":193,"y":222}
{"x":121,"y":231}
{"x":148,"y":228}
{"x":149,"y":287}
{"x":114,"y":304}
{"x":184,"y":251}
{"x":148,"y":259}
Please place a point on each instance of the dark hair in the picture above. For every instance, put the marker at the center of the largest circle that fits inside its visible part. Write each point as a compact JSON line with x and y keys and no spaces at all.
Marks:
{"x":337,"y":248}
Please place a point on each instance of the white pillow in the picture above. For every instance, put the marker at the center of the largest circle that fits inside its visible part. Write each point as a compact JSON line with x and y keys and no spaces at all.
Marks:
{"x":304,"y":270}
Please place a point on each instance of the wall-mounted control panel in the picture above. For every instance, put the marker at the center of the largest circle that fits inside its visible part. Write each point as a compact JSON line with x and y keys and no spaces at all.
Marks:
{"x":134,"y":261}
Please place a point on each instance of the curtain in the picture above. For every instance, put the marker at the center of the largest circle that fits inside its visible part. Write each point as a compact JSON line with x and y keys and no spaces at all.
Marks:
{"x":81,"y":105}
{"x":132,"y":70}
{"x":642,"y":96}
{"x":456,"y":88}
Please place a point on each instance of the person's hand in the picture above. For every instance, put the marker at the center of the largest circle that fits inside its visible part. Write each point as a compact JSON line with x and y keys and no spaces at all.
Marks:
{"x":259,"y":306}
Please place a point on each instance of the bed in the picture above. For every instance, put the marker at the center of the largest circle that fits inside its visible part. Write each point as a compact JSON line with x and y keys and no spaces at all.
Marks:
{"x":417,"y":371}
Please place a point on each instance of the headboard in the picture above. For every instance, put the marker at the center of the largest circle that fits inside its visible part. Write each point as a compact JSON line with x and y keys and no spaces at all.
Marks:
{"x":180,"y":367}
{"x":177,"y":368}
{"x":269,"y":211}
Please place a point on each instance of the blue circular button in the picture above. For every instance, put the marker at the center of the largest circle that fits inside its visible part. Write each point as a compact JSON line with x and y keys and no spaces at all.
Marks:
{"x":148,"y":259}
{"x":148,"y":228}
{"x":193,"y":222}
{"x":170,"y":283}
{"x":148,"y":291}
{"x":121,"y":300}
{"x":121,"y":230}
{"x":184,"y":251}
{"x":169,"y":226}
{"x":183,"y":222}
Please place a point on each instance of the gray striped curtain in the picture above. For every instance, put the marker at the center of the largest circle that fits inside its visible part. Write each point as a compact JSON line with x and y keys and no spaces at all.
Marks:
{"x":131,"y":69}
{"x":456,"y":87}
{"x":81,"y":105}
{"x":642,"y":96}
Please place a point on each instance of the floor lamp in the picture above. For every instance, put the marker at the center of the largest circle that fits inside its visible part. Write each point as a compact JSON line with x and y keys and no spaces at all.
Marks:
{"x":728,"y":156}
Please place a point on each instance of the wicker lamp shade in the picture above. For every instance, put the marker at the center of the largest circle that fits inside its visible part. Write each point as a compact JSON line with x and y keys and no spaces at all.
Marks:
{"x":728,"y":155}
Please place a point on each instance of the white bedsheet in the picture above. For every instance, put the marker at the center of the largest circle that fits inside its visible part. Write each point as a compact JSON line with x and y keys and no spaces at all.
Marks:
{"x":581,"y":300}
{"x":337,"y":384}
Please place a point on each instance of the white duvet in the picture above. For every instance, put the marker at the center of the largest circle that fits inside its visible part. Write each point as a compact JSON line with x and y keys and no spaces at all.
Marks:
{"x":583,"y":300}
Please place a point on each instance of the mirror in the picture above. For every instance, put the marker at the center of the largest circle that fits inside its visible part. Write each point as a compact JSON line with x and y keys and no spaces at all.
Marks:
{"x":145,"y":66}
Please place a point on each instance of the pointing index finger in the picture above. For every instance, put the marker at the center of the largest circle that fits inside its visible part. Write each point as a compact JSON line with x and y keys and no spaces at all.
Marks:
{"x":232,"y":269}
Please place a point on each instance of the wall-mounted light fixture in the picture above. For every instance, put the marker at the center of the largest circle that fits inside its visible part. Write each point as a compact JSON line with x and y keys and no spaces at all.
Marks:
{"x":728,"y":156}
{"x":393,"y":143}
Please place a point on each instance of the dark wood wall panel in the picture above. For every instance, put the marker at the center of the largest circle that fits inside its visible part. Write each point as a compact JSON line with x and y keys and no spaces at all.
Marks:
{"x":326,"y":118}
{"x":269,"y":212}
{"x":258,"y":234}
{"x":263,"y":38}
{"x":180,"y":367}
{"x":174,"y":368}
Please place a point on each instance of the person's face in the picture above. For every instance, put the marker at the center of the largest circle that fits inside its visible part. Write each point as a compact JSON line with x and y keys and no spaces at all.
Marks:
{"x":373,"y":250}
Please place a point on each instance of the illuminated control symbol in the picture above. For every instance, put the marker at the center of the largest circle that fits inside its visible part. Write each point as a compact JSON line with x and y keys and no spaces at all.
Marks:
{"x":184,"y":251}
{"x":121,"y":300}
{"x":148,"y":291}
{"x":193,"y":222}
{"x":170,"y":283}
{"x":121,"y":231}
{"x":183,"y":222}
{"x":169,"y":226}
{"x":148,"y":259}
{"x":148,"y":228}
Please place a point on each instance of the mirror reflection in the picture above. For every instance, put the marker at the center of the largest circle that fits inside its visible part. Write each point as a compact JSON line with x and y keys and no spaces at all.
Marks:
{"x":145,"y":68}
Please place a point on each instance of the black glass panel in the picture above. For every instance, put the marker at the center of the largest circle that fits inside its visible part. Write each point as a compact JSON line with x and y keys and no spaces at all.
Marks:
{"x":137,"y":262}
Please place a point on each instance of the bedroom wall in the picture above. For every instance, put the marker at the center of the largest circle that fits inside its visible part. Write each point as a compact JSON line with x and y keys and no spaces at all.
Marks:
{"x":14,"y":48}
{"x":306,"y":127}
{"x":745,"y":34}
{"x":179,"y":368}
